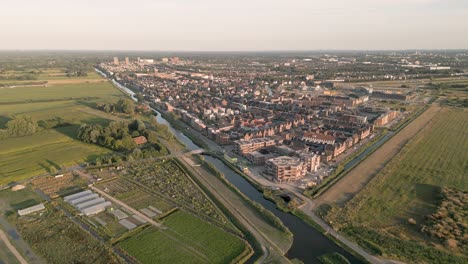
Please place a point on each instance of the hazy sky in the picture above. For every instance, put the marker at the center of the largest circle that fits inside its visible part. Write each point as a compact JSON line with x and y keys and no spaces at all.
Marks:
{"x":236,"y":25}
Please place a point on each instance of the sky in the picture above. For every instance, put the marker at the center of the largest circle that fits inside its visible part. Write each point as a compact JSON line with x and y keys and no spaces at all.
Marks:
{"x":233,"y":25}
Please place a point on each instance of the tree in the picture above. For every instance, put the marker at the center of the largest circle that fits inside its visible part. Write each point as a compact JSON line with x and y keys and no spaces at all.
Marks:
{"x":52,"y":170}
{"x":125,"y":106}
{"x":137,"y":125}
{"x":21,"y":126}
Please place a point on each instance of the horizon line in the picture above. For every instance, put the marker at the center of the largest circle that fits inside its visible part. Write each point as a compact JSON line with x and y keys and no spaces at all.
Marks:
{"x":231,"y":51}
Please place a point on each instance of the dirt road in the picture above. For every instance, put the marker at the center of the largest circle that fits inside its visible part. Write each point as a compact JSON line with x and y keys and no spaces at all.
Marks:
{"x":10,"y":247}
{"x":358,"y":177}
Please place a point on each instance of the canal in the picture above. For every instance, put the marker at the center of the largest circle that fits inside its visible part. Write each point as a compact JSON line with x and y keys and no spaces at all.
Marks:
{"x":308,"y":243}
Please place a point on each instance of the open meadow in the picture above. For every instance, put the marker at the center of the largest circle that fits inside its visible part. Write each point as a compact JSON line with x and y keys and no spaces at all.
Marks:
{"x":50,"y":149}
{"x":389,"y":215}
{"x":187,"y":239}
{"x":28,"y":156}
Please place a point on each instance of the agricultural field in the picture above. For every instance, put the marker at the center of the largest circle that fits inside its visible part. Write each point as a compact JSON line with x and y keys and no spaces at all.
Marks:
{"x":61,"y":186}
{"x":58,"y":240}
{"x":389,"y":215}
{"x":187,"y":239}
{"x":168,"y":179}
{"x":102,"y":90}
{"x":133,"y":196}
{"x":43,"y":152}
{"x":48,"y":150}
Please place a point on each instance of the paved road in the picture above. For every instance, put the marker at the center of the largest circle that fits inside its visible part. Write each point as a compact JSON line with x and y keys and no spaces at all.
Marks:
{"x":10,"y":247}
{"x":308,"y":206}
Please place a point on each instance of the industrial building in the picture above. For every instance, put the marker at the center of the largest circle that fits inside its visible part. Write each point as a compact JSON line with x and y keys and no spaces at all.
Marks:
{"x":87,"y":202}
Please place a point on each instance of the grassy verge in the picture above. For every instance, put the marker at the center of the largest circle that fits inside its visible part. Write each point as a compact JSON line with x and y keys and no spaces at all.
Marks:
{"x":333,"y":258}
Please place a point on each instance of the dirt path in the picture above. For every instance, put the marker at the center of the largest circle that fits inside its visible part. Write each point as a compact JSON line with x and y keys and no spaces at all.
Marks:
{"x":358,"y":177}
{"x":12,"y":248}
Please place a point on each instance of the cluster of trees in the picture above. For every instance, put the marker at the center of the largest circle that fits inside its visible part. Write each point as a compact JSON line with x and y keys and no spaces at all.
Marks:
{"x":78,"y":68}
{"x":19,"y":126}
{"x":147,"y":152}
{"x":53,"y":123}
{"x":124,"y":105}
{"x":118,"y":135}
{"x":447,"y":224}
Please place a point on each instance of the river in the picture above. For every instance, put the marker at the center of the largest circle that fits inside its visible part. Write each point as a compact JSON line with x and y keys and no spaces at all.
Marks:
{"x":308,"y":243}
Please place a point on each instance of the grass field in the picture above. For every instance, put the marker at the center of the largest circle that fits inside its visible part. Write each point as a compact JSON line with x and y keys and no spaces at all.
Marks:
{"x":47,"y":75}
{"x":59,"y":92}
{"x":187,"y":240}
{"x":407,"y":188}
{"x":12,"y":201}
{"x":24,"y":157}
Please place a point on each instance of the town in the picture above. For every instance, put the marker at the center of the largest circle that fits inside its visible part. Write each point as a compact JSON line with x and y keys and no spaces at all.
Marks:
{"x":282,"y":118}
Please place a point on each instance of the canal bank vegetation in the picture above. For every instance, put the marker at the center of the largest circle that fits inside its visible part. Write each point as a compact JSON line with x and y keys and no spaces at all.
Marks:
{"x":263,"y":219}
{"x":174,"y":120}
{"x":403,"y":212}
{"x":268,"y":215}
{"x":333,"y":258}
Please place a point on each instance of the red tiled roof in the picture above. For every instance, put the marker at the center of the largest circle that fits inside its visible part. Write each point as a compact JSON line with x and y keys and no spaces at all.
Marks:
{"x":140,"y":140}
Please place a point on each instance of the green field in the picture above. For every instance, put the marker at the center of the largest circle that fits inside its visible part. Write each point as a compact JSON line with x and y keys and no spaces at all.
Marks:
{"x":103,"y":90}
{"x":187,"y":240}
{"x":386,"y":217}
{"x":44,"y":75}
{"x":23,"y":157}
{"x":12,"y":201}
